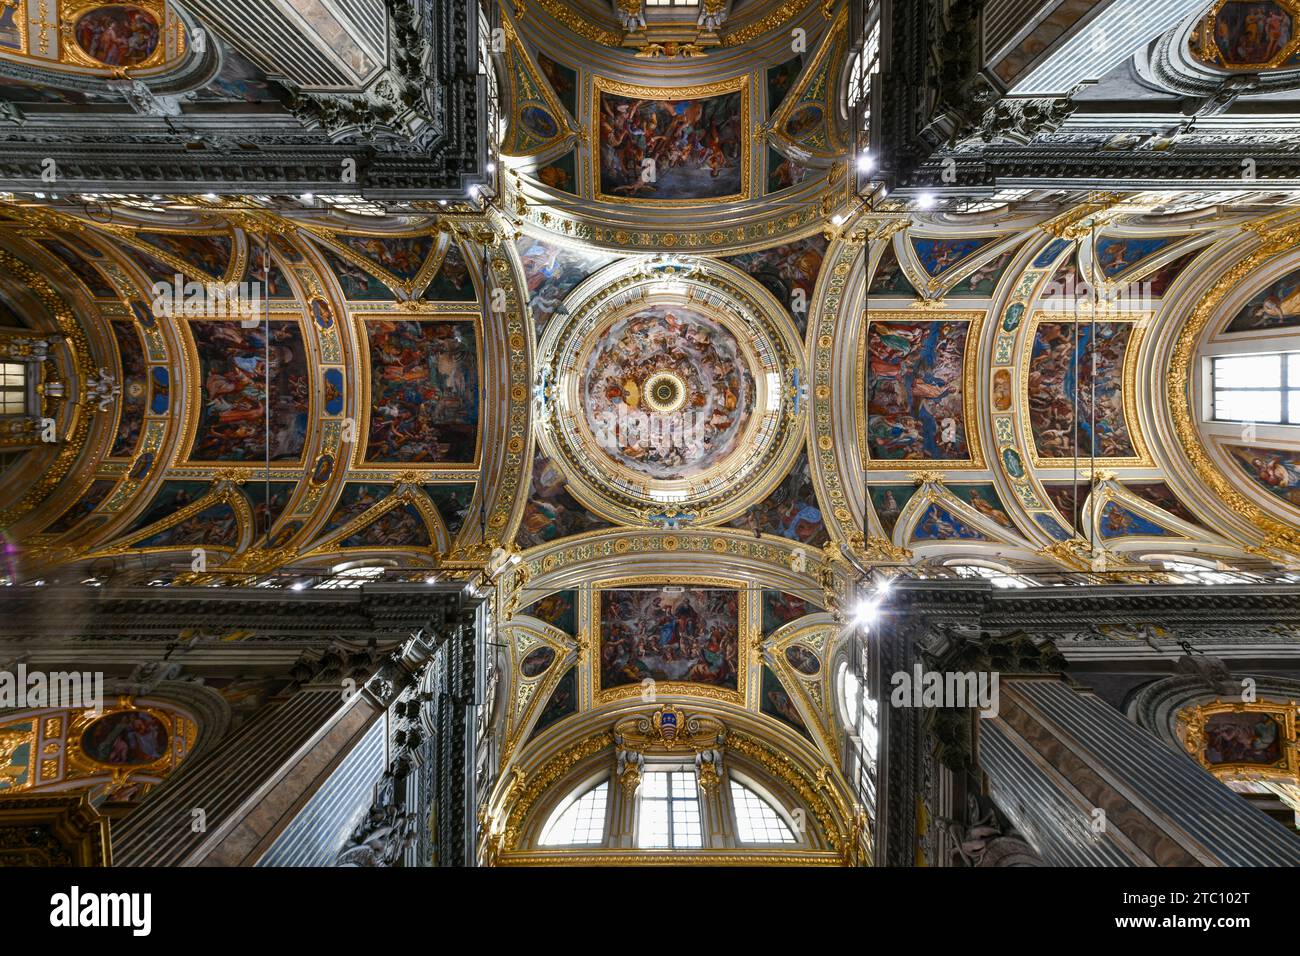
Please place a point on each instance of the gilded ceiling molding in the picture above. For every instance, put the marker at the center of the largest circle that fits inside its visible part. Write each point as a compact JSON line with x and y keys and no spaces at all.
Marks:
{"x":823,"y":791}
{"x":574,"y":561}
{"x":76,"y":428}
{"x":224,"y":491}
{"x":833,"y":321}
{"x":1008,"y":388}
{"x":814,"y":693}
{"x":1273,"y":240}
{"x":505,"y":474}
{"x":528,"y":91}
{"x":536,"y":772}
{"x":506,"y":814}
{"x":818,"y":88}
{"x":779,"y":17}
{"x":528,"y":694}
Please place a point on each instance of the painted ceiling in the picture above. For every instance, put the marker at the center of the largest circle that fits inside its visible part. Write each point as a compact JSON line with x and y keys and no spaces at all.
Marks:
{"x":676,"y":393}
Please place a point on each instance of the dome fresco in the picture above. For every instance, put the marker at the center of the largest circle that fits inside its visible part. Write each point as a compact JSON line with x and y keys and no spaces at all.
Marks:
{"x":666,"y":392}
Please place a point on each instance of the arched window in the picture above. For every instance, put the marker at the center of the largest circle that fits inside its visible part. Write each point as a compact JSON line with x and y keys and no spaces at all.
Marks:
{"x":995,"y":576}
{"x":580,"y":821}
{"x":756,"y":819}
{"x":1191,"y":572}
{"x":351,"y":576}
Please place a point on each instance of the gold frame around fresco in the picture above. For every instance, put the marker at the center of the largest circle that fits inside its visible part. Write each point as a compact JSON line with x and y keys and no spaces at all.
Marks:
{"x":357,"y":457}
{"x":176,"y":724}
{"x":601,"y":85}
{"x":1139,"y":322}
{"x":70,"y":50}
{"x":975,"y":319}
{"x":590,"y":639}
{"x":1207,"y":23}
{"x":1287,"y":767}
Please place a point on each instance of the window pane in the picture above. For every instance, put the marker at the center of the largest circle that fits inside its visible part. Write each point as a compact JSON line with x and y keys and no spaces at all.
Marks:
{"x":756,"y":821}
{"x":683,"y":785}
{"x":583,"y":821}
{"x":654,"y":785}
{"x":652,"y":826}
{"x":1248,"y":371}
{"x":1293,"y":407}
{"x":1248,"y":406}
{"x":1293,"y":369}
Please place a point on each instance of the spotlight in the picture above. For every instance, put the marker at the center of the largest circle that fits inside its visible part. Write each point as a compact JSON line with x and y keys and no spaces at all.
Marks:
{"x":491,"y":167}
{"x":837,"y":220}
{"x":866,"y":163}
{"x":308,"y":198}
{"x":925,"y":201}
{"x":865,"y":614}
{"x":297,"y":585}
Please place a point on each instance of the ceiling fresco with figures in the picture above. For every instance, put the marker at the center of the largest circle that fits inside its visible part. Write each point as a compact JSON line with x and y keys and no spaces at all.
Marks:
{"x":678,"y":390}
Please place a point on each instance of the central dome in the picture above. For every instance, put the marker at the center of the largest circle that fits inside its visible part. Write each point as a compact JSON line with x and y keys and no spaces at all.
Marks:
{"x":669,"y":390}
{"x":666,"y":391}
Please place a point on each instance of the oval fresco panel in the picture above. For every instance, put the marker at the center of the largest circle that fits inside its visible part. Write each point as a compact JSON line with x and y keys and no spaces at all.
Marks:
{"x":802,"y":659}
{"x":537,"y":661}
{"x":118,"y":35}
{"x":125,"y":739}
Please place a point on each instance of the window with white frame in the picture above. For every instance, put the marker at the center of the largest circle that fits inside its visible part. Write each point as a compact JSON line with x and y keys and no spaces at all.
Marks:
{"x":13,"y":388}
{"x":995,"y":576}
{"x":1190,"y":573}
{"x":756,"y":820}
{"x":668,"y":812}
{"x":861,"y":723}
{"x":579,"y":822}
{"x":1261,"y":388}
{"x":351,"y":577}
{"x":861,"y":75}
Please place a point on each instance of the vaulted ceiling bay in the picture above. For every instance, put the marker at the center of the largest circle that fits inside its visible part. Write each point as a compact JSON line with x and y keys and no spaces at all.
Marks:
{"x":707,"y":356}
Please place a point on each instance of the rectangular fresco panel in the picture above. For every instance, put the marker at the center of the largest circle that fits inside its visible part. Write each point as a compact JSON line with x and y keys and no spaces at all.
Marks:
{"x":235,"y":415}
{"x":1061,"y":377}
{"x":1254,"y":738}
{"x":915,"y":407}
{"x":687,"y":634}
{"x":695,"y":148}
{"x":424,"y":400}
{"x":10,"y":31}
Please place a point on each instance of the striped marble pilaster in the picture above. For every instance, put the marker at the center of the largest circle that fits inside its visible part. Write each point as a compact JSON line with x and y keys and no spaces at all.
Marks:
{"x":320,"y":828}
{"x":248,"y":787}
{"x":1055,"y":755}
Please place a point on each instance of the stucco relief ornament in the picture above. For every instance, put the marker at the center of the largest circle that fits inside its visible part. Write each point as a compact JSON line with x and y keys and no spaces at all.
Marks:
{"x":102,"y":389}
